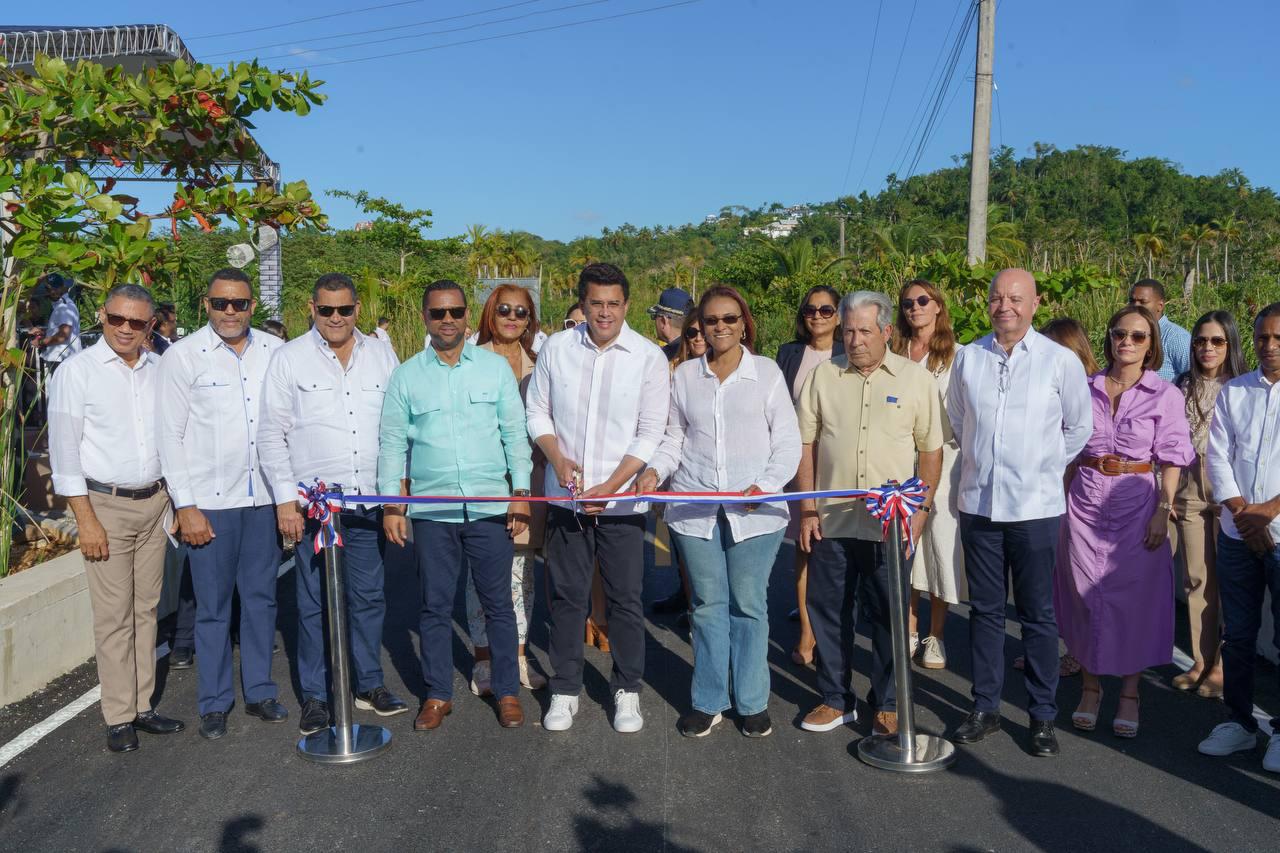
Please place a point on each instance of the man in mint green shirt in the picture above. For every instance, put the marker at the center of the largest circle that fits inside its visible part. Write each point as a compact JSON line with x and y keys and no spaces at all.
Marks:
{"x":454,"y":422}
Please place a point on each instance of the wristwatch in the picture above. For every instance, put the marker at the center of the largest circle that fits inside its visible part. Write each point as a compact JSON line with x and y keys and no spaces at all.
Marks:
{"x":520,"y":493}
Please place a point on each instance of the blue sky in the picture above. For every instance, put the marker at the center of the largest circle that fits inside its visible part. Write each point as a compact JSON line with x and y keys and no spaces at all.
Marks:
{"x":662,"y":117}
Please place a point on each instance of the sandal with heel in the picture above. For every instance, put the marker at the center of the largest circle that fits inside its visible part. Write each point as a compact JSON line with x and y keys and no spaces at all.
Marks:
{"x":1083,"y":720}
{"x":1126,"y":728}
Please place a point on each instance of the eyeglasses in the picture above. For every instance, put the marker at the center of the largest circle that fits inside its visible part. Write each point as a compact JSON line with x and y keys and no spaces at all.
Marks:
{"x":457,"y":312}
{"x":692,"y":333}
{"x":120,"y":320}
{"x":727,"y":319}
{"x":219,"y":303}
{"x":826,"y":312}
{"x":1217,"y":342}
{"x":921,"y":300}
{"x":343,"y":310}
{"x":1139,"y":337}
{"x":569,"y":324}
{"x":521,"y":312}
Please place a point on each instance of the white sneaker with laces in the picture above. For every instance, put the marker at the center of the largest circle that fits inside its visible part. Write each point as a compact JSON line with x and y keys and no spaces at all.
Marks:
{"x":560,"y":715}
{"x":934,"y":654}
{"x":1227,"y":738}
{"x":626,"y":712}
{"x":1271,"y":761}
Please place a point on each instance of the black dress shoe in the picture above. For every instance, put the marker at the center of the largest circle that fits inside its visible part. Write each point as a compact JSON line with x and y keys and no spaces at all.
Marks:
{"x":314,"y":718}
{"x":154,"y":724}
{"x":213,"y":725}
{"x":381,"y":701}
{"x":182,"y":658}
{"x":1044,"y":743}
{"x":122,"y":738}
{"x":268,"y":710}
{"x":674,"y":603}
{"x":977,"y":726}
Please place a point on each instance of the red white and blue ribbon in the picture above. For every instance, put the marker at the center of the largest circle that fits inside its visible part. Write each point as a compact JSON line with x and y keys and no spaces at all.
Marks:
{"x":892,"y":503}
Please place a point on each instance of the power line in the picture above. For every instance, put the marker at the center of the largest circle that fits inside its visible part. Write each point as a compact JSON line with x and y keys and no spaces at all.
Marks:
{"x":917,"y":116}
{"x":307,"y":20}
{"x":474,"y":26}
{"x":939,"y":99}
{"x":875,"y":35}
{"x":892,"y":83}
{"x":246,"y":50}
{"x":496,"y":37}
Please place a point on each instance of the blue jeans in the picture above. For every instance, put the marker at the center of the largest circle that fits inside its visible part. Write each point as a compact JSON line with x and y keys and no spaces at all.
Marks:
{"x":362,"y":549}
{"x":730,"y":583}
{"x":1243,"y":579}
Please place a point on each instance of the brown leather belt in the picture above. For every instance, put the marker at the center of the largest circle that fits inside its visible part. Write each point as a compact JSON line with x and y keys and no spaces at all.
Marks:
{"x":1113,"y":466}
{"x":132,"y":494}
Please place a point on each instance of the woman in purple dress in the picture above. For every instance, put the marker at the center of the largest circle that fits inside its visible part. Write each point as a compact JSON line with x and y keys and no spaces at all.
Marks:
{"x":1113,"y":589}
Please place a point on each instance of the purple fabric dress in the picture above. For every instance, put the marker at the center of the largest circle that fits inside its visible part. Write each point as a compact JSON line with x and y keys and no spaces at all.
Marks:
{"x":1113,"y":597}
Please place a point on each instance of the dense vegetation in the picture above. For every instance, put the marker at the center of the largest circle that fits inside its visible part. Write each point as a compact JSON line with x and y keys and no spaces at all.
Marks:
{"x":1087,"y":221}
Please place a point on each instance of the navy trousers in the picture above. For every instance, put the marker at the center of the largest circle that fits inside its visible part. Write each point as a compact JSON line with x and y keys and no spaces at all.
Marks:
{"x":1029,"y":549}
{"x":1243,"y":580}
{"x":184,"y":629}
{"x":441,"y":547}
{"x":244,"y":556}
{"x":363,"y":546}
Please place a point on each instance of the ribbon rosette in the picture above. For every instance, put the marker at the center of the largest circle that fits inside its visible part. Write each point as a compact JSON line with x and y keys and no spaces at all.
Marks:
{"x":895,"y":503}
{"x":321,"y":505}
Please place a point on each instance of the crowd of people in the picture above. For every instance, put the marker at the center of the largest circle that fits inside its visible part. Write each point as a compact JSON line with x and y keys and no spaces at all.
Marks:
{"x":1068,"y":484}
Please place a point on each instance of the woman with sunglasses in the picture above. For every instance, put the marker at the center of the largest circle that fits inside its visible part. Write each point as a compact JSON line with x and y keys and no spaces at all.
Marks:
{"x":1216,"y":357}
{"x":732,"y":428}
{"x":1113,"y":585}
{"x":923,"y":334}
{"x":693,"y":344}
{"x":508,"y":325}
{"x":817,"y":340}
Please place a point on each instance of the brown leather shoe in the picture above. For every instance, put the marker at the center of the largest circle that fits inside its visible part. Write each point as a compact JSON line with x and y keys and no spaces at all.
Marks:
{"x":510,"y":714}
{"x":886,"y":723}
{"x":432,"y":714}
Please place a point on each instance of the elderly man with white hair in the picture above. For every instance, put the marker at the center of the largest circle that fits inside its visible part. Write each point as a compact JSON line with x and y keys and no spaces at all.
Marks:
{"x":1019,"y":406}
{"x":866,"y":417}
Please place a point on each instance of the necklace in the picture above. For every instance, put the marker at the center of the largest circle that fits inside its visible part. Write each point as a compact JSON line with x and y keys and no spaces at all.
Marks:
{"x":1123,"y":386}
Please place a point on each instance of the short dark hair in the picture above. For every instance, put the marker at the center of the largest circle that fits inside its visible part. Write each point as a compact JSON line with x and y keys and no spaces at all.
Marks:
{"x":167,"y":310}
{"x":275,"y":327}
{"x":334,"y":281}
{"x":442,"y":284}
{"x":230,"y":274}
{"x":1149,"y":283}
{"x":601,"y":273}
{"x":1271,"y":310}
{"x":136,"y":292}
{"x":1155,"y":352}
{"x":382,"y":320}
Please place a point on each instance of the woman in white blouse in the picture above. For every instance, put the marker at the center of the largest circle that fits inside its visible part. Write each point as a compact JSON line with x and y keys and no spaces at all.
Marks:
{"x":732,"y":429}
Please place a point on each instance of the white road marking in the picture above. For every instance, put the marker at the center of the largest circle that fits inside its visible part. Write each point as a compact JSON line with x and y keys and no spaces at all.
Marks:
{"x":32,"y":736}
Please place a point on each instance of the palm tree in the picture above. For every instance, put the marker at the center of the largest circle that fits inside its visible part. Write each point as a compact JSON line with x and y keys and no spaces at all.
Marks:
{"x":1228,"y":231}
{"x":1150,"y":240}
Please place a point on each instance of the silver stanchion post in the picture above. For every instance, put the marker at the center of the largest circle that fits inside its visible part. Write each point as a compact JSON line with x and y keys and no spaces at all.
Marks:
{"x":909,"y":751}
{"x":344,"y":742}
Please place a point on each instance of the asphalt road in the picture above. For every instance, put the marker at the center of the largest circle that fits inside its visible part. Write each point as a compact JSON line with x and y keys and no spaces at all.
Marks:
{"x":472,"y":785}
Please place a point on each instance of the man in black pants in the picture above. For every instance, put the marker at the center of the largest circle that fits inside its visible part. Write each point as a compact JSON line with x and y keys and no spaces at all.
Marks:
{"x":597,"y":407}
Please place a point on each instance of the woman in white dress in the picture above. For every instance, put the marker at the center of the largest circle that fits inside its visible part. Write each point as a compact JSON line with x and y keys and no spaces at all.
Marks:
{"x":924,"y":335}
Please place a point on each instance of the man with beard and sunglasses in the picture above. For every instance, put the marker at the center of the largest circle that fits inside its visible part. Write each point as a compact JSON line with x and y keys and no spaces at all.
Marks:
{"x":102,"y":445}
{"x":459,"y":408}
{"x":212,"y":382}
{"x":321,"y":409}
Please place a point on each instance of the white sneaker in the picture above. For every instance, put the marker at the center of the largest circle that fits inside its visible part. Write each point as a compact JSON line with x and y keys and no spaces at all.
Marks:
{"x":1227,"y":738}
{"x":626,"y":712}
{"x":1271,"y":761}
{"x":481,"y":679}
{"x":560,"y":715}
{"x":915,"y":643}
{"x":934,"y":655}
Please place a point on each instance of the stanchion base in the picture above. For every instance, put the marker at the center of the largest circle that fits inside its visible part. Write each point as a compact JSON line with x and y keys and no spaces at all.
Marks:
{"x":366,"y":742}
{"x":930,"y":753}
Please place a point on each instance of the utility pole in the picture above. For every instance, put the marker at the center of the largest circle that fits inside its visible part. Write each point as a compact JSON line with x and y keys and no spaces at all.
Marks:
{"x":842,"y":217}
{"x":980,"y":152}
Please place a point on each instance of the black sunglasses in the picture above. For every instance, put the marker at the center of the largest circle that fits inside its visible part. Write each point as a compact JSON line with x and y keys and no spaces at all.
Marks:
{"x":727,"y":319}
{"x":343,"y":310}
{"x":692,"y":333}
{"x":521,"y":312}
{"x":826,"y":312}
{"x":921,"y":300}
{"x":221,"y":303}
{"x":457,"y":312}
{"x":120,"y":320}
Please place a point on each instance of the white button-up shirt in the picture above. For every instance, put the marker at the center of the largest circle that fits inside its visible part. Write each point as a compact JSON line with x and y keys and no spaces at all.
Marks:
{"x":724,"y":437}
{"x":102,"y":421}
{"x":65,"y":313}
{"x":1244,"y":446}
{"x":320,"y":419}
{"x":1020,"y":419}
{"x":600,"y":404}
{"x":209,"y":420}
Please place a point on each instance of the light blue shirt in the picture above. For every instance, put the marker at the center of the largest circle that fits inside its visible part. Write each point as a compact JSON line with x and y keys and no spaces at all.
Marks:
{"x":457,"y":430}
{"x":1176,"y":343}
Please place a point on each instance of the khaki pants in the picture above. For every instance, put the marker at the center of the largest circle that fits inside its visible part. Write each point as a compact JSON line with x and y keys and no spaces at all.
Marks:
{"x":125,"y":591}
{"x":1195,"y":536}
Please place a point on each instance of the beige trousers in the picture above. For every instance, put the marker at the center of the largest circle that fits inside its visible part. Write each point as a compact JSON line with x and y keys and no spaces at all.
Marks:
{"x":125,"y":591}
{"x":1195,"y":537}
